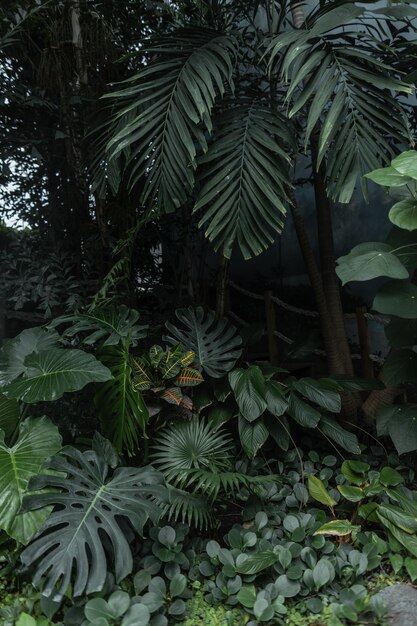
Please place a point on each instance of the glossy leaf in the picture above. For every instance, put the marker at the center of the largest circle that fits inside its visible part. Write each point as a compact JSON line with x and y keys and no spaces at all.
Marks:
{"x":121,"y":408}
{"x":51,"y":373}
{"x":404,"y":215}
{"x":252,"y":435}
{"x":337,"y":528}
{"x":397,"y":298}
{"x":318,"y":491}
{"x":248,"y":386}
{"x":38,"y":439}
{"x":89,"y":504}
{"x":216,"y":344}
{"x":370,"y":260}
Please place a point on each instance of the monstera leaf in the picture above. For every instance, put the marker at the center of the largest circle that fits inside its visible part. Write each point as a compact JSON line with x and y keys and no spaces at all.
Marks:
{"x":215,"y":343}
{"x":122,"y":410}
{"x":85,"y":526}
{"x":38,"y":439}
{"x":50,"y":373}
{"x":9,"y":414}
{"x":15,"y":351}
{"x":110,"y":326}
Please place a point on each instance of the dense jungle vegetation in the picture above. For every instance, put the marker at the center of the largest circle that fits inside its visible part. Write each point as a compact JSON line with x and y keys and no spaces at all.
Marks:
{"x":168,"y":455}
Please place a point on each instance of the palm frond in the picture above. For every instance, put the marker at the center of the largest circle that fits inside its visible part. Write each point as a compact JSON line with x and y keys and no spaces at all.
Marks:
{"x":245,"y":179}
{"x":340,"y":80}
{"x":165,"y":111}
{"x":211,"y":484}
{"x":189,"y":508}
{"x":191,"y":445}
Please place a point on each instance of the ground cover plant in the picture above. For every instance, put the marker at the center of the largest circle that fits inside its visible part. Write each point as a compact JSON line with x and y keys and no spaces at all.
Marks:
{"x":162,"y":462}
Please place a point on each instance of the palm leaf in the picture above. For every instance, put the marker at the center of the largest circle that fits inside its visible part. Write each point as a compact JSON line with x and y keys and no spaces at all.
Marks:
{"x":191,"y":445}
{"x":215,"y":343}
{"x":84,"y":529}
{"x":167,"y":106}
{"x":346,"y":87}
{"x":245,"y":179}
{"x":189,"y":508}
{"x":121,"y":408}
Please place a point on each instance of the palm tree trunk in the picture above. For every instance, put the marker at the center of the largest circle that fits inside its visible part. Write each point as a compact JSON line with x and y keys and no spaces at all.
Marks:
{"x":330,"y":280}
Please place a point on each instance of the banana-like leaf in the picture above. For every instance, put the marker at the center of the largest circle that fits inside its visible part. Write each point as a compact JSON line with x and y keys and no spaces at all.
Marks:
{"x":84,"y":529}
{"x":15,"y":351}
{"x":348,"y":89}
{"x":216,"y":343}
{"x":166,"y":107}
{"x":245,"y":179}
{"x":109,"y":326}
{"x":38,"y":439}
{"x":51,"y":373}
{"x":122,"y":410}
{"x":9,"y":414}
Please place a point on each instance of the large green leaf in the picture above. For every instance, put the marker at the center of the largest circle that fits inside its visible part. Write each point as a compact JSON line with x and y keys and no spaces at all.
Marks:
{"x":348,"y":89}
{"x":252,"y":435}
{"x":245,"y":179}
{"x":331,"y":429}
{"x":164,"y":111}
{"x":397,"y":298}
{"x":388,"y":176}
{"x":15,"y":351}
{"x":108,"y":326}
{"x":121,"y":408}
{"x":400,"y":423}
{"x":400,"y":367}
{"x":51,"y":373}
{"x":38,"y":439}
{"x":215,"y":343}
{"x":84,"y":528}
{"x":302,"y":413}
{"x":406,"y":163}
{"x":404,"y":215}
{"x":319,"y":393}
{"x":249,"y":389}
{"x":370,"y":260}
{"x":9,"y":414}
{"x":318,"y":491}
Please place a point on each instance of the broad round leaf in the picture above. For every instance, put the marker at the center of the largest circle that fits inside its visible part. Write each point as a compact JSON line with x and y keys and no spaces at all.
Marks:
{"x":15,"y":351}
{"x":397,"y":298}
{"x":89,"y":504}
{"x":400,"y":367}
{"x":406,"y":163}
{"x":404,"y":214}
{"x":370,"y":260}
{"x":51,"y":373}
{"x":38,"y":439}
{"x":388,"y":176}
{"x":215,"y":343}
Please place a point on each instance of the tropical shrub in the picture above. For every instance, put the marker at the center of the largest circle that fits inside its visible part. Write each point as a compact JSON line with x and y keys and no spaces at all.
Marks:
{"x":396,"y":300}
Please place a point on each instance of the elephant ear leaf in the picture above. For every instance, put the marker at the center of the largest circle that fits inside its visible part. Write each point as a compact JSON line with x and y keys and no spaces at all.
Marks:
{"x":83,"y":535}
{"x":51,"y":373}
{"x":38,"y":439}
{"x":216,"y":343}
{"x":9,"y":414}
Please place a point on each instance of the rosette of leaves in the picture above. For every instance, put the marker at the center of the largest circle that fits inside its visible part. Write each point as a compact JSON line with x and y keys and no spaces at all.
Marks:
{"x":85,"y":532}
{"x":165,"y":373}
{"x":215,"y":343}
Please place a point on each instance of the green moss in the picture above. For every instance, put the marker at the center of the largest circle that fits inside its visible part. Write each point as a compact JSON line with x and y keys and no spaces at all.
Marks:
{"x":200,"y":613}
